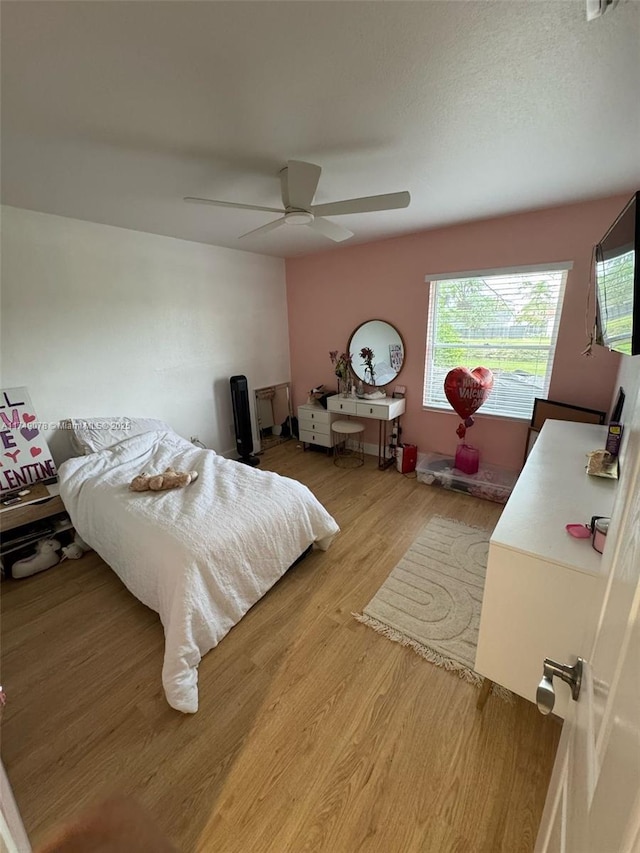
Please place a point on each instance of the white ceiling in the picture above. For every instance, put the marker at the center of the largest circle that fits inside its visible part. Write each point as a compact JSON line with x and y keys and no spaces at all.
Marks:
{"x":113,"y":111}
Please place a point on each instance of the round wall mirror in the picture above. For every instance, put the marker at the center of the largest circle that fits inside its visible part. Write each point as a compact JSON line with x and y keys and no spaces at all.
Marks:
{"x":385,"y":352}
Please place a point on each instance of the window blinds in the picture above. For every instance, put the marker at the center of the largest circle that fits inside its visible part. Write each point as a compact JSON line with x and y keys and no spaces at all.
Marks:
{"x":507,"y":322}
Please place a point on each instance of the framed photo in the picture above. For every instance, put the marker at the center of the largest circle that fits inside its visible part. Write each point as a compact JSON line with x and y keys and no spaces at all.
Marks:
{"x":532,"y":437}
{"x":544,"y":410}
{"x":395,"y":357}
{"x":552,"y":410}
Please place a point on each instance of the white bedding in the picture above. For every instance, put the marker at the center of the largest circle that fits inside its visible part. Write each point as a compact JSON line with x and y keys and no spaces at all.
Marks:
{"x":200,"y":556}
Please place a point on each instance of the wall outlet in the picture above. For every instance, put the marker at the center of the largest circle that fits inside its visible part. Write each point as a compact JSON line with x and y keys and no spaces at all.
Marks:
{"x":194,"y":439}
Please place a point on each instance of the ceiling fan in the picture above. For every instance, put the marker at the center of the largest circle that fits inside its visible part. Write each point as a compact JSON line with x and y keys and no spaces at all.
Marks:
{"x":299,"y":182}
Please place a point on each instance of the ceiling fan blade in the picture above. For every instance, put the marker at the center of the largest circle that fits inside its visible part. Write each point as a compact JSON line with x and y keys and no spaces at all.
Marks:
{"x":332,"y":230}
{"x":232,"y":204}
{"x":299,"y":184}
{"x":390,"y":201}
{"x":264,"y":228}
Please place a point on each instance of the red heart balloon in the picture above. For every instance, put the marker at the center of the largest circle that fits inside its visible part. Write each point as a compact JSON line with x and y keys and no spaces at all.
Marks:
{"x":467,"y":390}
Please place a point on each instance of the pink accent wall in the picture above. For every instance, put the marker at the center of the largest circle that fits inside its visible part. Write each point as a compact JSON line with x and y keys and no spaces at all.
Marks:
{"x":331,"y":293}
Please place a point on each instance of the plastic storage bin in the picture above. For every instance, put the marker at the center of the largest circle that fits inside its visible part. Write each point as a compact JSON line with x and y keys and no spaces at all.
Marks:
{"x":490,"y":482}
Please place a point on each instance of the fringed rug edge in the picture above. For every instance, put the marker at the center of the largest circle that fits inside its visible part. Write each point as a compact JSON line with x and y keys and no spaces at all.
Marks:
{"x":429,"y":654}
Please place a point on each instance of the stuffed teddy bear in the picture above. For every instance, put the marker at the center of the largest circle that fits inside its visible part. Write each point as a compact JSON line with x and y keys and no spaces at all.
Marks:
{"x":171,"y":479}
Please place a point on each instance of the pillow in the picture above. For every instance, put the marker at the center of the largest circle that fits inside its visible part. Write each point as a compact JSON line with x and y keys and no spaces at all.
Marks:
{"x":89,"y":435}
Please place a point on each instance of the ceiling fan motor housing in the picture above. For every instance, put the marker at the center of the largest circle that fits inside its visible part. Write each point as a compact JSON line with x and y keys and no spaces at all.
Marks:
{"x":298,"y":217}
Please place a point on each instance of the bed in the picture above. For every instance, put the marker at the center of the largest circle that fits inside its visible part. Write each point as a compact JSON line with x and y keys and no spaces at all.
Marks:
{"x":200,"y":556}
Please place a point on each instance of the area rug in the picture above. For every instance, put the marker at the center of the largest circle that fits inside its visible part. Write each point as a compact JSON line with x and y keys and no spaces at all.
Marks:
{"x":432,"y":600}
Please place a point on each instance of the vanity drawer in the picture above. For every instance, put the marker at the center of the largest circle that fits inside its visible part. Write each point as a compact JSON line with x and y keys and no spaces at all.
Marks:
{"x":386,"y":409}
{"x":324,"y":428}
{"x":313,"y":437}
{"x":314,"y":413}
{"x":369,"y":410}
{"x":342,"y":404}
{"x":318,"y":416}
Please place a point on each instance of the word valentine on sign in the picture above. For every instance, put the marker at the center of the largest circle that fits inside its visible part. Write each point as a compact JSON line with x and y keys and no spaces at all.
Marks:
{"x":24,"y":454}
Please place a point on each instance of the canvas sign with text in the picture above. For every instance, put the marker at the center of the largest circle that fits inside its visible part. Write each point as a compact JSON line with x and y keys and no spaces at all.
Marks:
{"x":25,"y":456}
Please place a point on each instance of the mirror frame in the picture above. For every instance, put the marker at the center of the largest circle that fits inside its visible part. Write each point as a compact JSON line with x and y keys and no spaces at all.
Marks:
{"x":404,"y":352}
{"x":266,"y":436}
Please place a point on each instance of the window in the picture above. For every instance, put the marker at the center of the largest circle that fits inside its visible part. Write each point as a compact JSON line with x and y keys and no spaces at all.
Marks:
{"x":504,"y":320}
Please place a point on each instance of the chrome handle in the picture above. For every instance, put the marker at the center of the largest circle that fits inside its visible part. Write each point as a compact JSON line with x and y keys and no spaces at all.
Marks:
{"x":571,"y":675}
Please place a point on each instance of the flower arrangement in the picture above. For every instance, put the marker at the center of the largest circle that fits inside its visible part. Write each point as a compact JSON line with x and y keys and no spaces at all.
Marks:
{"x":341,"y":364}
{"x":367,"y":356}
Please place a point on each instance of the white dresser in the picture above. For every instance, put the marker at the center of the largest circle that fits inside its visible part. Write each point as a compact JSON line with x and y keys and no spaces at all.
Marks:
{"x":542,"y":584}
{"x":314,"y":425}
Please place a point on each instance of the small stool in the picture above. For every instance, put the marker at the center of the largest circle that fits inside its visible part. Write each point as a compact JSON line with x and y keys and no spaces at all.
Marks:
{"x":348,"y":457}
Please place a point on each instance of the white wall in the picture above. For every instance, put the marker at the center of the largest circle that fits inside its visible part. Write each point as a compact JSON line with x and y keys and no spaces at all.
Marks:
{"x":102,"y":321}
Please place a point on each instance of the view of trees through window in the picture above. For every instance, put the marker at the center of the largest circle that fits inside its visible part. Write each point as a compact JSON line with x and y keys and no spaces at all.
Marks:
{"x":507,"y":323}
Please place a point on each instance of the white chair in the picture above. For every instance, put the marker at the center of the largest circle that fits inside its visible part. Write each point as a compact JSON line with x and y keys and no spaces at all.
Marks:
{"x":351,"y":456}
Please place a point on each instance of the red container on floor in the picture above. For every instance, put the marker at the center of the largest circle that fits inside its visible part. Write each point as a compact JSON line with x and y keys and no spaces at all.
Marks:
{"x":467,"y":459}
{"x":407,"y":456}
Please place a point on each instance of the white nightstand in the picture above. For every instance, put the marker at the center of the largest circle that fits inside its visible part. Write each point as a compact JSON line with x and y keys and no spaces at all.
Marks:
{"x":314,"y":424}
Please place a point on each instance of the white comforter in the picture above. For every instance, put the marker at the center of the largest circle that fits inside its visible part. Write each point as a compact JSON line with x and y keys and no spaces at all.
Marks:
{"x":200,"y":556}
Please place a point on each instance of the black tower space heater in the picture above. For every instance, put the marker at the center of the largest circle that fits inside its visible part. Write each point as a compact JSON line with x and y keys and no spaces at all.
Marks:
{"x":242,"y":419}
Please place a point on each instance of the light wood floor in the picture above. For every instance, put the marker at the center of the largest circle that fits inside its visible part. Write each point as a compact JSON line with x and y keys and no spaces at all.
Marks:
{"x":314,"y":733}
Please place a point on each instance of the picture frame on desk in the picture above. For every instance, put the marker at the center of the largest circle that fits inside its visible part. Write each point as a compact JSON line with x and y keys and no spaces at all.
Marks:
{"x":553,"y":410}
{"x":532,"y":437}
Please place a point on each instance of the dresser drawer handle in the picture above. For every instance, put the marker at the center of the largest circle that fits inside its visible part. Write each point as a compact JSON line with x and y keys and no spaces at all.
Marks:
{"x":312,"y":417}
{"x":370,"y":411}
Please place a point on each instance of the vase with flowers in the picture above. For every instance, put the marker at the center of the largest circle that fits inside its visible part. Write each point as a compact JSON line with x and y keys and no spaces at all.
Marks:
{"x":367,"y":356}
{"x":342,"y":368}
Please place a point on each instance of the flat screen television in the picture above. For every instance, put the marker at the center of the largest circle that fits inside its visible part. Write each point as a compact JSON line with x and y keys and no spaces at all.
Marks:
{"x":617,"y":274}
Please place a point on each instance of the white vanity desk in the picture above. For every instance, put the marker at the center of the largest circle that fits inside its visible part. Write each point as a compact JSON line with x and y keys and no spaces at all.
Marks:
{"x":383,"y":410}
{"x":542,"y":585}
